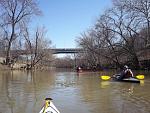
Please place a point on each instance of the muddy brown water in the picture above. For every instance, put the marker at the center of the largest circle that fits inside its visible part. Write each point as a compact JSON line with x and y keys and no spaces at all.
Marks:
{"x":24,"y":92}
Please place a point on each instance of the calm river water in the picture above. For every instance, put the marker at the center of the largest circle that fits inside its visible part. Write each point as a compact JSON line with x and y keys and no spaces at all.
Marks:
{"x":24,"y":92}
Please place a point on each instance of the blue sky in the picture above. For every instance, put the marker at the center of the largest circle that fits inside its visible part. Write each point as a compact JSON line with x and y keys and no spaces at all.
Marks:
{"x":65,"y":20}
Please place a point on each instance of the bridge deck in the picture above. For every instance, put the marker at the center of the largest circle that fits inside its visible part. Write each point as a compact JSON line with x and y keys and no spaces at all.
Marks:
{"x":53,"y":51}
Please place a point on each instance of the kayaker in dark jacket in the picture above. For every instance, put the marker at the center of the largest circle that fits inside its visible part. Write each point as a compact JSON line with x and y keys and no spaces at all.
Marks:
{"x":126,"y":73}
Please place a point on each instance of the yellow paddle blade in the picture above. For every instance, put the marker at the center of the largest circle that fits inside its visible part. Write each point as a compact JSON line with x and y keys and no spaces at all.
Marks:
{"x":105,"y":77}
{"x":140,"y":77}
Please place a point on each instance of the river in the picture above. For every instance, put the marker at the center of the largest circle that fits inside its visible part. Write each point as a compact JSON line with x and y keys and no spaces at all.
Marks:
{"x":24,"y":92}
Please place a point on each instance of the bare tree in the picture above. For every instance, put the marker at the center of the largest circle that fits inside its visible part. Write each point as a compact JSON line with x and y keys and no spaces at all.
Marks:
{"x":126,"y":29}
{"x":14,"y":12}
{"x":118,"y":33}
{"x":37,"y":46}
{"x":140,"y":8}
{"x":65,"y":62}
{"x":87,"y":42}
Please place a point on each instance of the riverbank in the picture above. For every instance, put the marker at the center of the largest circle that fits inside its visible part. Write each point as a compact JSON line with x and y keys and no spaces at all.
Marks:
{"x":18,"y":66}
{"x":4,"y":67}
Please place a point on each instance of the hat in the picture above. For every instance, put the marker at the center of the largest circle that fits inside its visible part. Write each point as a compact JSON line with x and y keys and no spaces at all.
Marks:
{"x":126,"y":67}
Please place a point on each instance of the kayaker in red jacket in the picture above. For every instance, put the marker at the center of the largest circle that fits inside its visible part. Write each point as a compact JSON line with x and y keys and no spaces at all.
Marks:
{"x":79,"y":69}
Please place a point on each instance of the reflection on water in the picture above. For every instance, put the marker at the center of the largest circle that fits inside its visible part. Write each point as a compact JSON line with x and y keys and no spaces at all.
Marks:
{"x":105,"y":84}
{"x":142,"y":82}
{"x":25,"y":91}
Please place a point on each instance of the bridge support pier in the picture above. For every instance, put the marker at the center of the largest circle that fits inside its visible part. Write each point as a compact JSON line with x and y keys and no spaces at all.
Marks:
{"x":75,"y":61}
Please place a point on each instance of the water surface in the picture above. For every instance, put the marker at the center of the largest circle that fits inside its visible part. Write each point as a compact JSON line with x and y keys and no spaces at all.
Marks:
{"x":24,"y":92}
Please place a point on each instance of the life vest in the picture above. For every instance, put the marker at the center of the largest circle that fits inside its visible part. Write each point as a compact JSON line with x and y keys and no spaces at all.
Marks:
{"x":128,"y":73}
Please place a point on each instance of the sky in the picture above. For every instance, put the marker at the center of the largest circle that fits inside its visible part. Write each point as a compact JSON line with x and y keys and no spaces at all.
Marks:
{"x":65,"y":20}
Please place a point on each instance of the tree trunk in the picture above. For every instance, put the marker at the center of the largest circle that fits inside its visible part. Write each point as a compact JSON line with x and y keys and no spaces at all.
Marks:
{"x":8,"y":54}
{"x":136,"y":63}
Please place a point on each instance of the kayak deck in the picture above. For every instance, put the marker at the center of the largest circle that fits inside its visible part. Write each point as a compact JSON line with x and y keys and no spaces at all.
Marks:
{"x":132,"y":80}
{"x":49,"y":107}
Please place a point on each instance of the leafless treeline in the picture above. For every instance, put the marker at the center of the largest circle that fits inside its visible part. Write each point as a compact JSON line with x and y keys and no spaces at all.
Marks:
{"x":118,"y":35}
{"x":15,"y":18}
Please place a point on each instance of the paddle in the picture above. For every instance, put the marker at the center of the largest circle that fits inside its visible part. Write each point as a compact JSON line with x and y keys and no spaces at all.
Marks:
{"x":106,"y":77}
{"x":140,"y":77}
